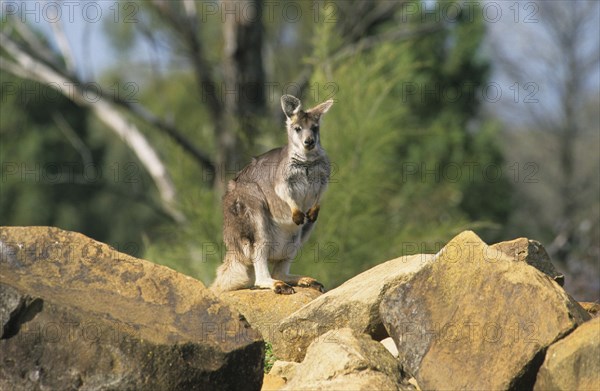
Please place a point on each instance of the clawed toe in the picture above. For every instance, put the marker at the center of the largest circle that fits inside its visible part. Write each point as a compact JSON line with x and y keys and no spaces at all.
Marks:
{"x":282,"y":288}
{"x":308,"y":282}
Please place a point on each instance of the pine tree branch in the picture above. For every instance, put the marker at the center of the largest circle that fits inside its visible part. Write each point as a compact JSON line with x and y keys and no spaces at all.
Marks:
{"x":391,"y":36}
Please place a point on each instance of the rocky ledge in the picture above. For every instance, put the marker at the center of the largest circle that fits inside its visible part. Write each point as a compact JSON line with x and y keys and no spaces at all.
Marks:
{"x":77,"y":314}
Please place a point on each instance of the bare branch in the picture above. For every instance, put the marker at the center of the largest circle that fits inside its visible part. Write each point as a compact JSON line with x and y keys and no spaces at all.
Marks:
{"x":87,"y":58}
{"x":192,"y":44}
{"x":191,"y":11}
{"x":73,"y":138}
{"x":149,"y":118}
{"x":107,"y":113}
{"x":16,"y":70}
{"x":32,"y":40}
{"x":63,"y":45}
{"x":137,"y":110}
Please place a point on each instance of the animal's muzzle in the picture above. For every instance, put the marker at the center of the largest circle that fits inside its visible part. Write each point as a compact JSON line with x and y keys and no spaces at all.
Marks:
{"x":309,"y":143}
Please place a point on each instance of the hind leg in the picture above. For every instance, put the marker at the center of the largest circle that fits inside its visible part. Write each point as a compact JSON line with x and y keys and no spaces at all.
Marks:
{"x":232,"y":275}
{"x":264,"y":279}
{"x":244,"y":230}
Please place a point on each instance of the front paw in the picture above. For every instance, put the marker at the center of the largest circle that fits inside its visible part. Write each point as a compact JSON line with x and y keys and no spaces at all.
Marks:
{"x":281,"y":288}
{"x":298,"y":217}
{"x":313,"y":213}
{"x":309,"y":282}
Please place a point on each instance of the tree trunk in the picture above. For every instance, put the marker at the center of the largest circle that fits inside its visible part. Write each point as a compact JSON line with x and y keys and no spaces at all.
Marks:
{"x":568,"y":135}
{"x":243,"y":89}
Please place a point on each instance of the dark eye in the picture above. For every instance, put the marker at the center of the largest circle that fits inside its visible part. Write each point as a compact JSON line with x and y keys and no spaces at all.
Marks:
{"x":315,"y":128}
{"x":298,"y":129}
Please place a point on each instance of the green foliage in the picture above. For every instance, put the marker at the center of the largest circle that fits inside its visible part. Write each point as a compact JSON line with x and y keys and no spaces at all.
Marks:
{"x":269,"y":357}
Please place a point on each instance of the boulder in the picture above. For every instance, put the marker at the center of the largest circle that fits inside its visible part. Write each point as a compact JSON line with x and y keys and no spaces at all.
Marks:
{"x":354,"y":304}
{"x":343,"y":359}
{"x":475,"y":319}
{"x":573,"y":363}
{"x":264,"y":309}
{"x":80,"y":315}
{"x":531,"y":252}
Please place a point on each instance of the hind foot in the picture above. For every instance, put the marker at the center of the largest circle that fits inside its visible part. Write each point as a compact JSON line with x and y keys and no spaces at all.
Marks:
{"x":309,"y":282}
{"x":281,"y":288}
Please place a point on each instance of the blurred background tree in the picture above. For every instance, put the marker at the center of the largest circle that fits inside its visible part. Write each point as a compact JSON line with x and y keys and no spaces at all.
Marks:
{"x":418,"y":151}
{"x":552,"y":129}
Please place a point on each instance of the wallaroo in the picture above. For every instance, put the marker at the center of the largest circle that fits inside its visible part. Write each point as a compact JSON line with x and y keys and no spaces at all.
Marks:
{"x":270,"y":208}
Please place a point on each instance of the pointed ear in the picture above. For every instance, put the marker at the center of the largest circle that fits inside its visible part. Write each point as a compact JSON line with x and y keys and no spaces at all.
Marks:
{"x":322,"y":108}
{"x":290,"y":105}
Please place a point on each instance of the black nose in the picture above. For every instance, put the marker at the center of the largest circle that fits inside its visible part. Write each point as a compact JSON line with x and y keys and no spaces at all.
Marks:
{"x":309,"y":142}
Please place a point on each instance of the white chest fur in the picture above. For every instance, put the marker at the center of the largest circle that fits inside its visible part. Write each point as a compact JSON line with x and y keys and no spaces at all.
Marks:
{"x":305,"y":181}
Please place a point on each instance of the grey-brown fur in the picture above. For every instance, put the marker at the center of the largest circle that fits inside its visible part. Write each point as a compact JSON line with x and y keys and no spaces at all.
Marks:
{"x":270,"y":208}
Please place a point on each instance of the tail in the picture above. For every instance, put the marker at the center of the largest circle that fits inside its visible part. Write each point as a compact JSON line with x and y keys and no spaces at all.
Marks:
{"x":232,"y":275}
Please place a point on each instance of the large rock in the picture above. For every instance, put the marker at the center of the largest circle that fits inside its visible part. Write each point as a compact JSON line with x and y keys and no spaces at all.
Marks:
{"x":573,"y":363}
{"x":531,"y":252}
{"x":476,"y":319}
{"x":264,"y":309}
{"x":354,"y":304}
{"x":80,"y":315}
{"x":343,"y":359}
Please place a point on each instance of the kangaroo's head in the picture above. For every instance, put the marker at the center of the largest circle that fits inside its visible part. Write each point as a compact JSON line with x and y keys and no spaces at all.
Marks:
{"x":303,"y":126}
